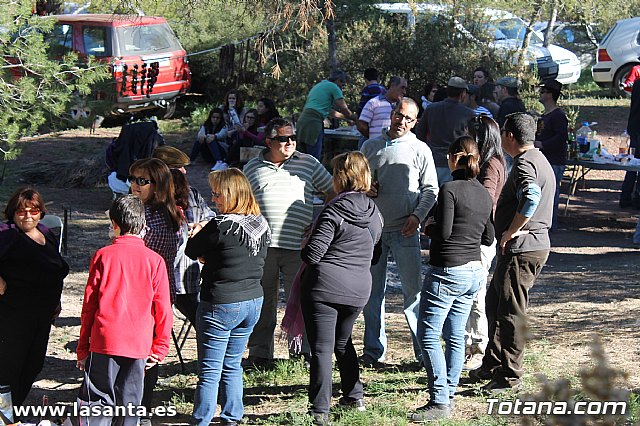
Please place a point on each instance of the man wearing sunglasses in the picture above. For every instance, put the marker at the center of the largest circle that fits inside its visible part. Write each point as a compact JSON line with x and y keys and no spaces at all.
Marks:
{"x":408,"y":187}
{"x":283,"y":181}
{"x":552,"y":135}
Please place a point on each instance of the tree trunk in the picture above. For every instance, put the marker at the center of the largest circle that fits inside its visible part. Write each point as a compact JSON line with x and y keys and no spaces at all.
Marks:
{"x":548,"y":32}
{"x":333,"y":45}
{"x":529,"y":30}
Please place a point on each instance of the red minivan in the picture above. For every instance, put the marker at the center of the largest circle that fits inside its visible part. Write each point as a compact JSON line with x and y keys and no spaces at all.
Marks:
{"x":150,"y":67}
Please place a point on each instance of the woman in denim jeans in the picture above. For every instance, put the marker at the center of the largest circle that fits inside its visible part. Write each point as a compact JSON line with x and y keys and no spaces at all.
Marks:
{"x":232,"y":247}
{"x":454,"y":276}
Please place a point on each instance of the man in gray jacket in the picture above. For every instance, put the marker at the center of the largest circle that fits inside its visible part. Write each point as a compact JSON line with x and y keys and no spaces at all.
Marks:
{"x":407,"y":189}
{"x":443,"y":122}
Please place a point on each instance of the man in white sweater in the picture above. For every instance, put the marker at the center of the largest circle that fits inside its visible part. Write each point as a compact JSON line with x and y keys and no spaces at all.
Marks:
{"x":408,"y":188}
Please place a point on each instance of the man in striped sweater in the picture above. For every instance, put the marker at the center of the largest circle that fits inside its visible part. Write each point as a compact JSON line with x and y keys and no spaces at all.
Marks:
{"x":283,"y":181}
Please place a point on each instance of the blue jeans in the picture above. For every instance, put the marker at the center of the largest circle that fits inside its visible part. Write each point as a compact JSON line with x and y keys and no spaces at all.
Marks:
{"x":223,"y":331}
{"x":558,"y":171}
{"x":445,"y":302}
{"x":406,"y":252}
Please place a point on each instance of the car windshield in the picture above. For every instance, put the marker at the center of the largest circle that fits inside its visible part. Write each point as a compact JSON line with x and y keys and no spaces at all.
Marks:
{"x":511,"y":29}
{"x":146,"y":39}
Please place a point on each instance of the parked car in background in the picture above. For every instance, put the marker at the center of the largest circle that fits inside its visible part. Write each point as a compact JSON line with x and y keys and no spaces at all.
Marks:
{"x":511,"y":30}
{"x":507,"y":30}
{"x":618,"y":53}
{"x":581,"y":39}
{"x":149,"y":65}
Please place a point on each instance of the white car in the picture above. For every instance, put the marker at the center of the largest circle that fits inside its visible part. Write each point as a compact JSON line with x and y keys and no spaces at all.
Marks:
{"x":552,"y":62}
{"x":514,"y":28}
{"x":569,"y":66}
{"x":618,"y":52}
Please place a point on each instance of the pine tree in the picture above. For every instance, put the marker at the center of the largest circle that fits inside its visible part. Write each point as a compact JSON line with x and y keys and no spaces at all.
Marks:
{"x":34,"y":87}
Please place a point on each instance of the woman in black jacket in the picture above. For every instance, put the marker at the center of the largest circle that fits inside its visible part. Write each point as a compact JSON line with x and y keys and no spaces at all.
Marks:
{"x":31,"y":276}
{"x":336,"y":284}
{"x":232,"y":247}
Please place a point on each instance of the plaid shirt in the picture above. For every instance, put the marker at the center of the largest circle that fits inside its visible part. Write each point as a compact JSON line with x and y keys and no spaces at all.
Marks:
{"x":187,"y":271}
{"x":161,"y":239}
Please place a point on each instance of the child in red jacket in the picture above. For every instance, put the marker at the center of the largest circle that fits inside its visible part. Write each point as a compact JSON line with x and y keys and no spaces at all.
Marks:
{"x":126,"y":318}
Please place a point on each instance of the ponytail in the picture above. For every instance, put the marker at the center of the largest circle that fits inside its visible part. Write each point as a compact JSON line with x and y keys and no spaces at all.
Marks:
{"x":465,"y":150}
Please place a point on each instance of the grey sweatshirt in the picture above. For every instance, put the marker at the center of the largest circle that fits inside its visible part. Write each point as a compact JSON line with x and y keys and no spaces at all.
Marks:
{"x":407,"y":177}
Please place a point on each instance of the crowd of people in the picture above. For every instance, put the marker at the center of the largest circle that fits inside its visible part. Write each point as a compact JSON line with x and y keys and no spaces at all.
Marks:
{"x":467,"y":167}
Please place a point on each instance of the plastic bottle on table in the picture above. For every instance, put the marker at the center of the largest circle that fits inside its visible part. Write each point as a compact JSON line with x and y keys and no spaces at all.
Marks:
{"x":582,"y":137}
{"x":624,"y":145}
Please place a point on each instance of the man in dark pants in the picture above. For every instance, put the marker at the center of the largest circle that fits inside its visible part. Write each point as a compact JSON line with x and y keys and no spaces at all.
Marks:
{"x":630,"y":191}
{"x":522,"y":222}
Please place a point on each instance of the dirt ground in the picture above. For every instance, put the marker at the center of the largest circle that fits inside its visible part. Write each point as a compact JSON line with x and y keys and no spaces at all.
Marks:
{"x":589,"y":285}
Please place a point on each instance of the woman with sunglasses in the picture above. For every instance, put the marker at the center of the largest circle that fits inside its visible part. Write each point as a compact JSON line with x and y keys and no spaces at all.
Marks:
{"x":454,"y":275}
{"x":493,"y":173}
{"x":151,"y":181}
{"x":233,"y":247}
{"x":31,"y":276}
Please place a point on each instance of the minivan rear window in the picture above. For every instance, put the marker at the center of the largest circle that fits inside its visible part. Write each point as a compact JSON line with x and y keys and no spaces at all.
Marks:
{"x":147,"y":39}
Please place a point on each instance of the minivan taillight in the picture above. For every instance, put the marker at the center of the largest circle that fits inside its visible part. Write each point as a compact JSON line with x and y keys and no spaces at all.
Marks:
{"x":603,"y":56}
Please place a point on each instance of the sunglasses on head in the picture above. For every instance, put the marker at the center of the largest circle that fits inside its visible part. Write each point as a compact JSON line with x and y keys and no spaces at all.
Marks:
{"x":283,"y":139}
{"x":140,"y":181}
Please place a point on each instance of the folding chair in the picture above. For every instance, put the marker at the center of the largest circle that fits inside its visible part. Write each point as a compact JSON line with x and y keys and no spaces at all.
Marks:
{"x":181,"y":338}
{"x":55,"y":224}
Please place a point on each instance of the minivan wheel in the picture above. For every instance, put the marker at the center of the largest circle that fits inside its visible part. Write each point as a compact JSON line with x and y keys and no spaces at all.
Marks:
{"x":619,"y":78}
{"x":169,"y":109}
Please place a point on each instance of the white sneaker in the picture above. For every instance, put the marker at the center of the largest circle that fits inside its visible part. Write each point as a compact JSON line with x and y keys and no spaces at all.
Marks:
{"x":220,"y":165}
{"x":472,"y":362}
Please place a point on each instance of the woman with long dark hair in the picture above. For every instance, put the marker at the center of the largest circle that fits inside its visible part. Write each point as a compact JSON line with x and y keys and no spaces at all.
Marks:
{"x":493,"y":173}
{"x":454,"y":276}
{"x":211,"y":139}
{"x":151,"y":181}
{"x":266,"y":112}
{"x":233,"y":111}
{"x":248,"y":137}
{"x":194,"y":210}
